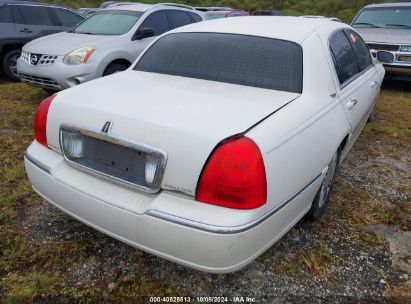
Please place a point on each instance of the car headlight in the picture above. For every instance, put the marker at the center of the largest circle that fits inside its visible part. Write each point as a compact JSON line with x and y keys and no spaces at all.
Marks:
{"x":406,"y":48}
{"x":79,"y":56}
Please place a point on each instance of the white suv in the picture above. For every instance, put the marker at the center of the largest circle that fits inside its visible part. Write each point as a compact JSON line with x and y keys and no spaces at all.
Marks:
{"x":106,"y":43}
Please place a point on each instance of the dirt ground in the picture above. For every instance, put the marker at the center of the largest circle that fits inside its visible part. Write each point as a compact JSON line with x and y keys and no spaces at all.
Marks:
{"x":358,"y":252}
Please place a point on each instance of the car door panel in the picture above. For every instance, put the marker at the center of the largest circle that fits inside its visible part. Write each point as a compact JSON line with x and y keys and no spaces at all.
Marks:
{"x":178,"y":18}
{"x":357,"y":98}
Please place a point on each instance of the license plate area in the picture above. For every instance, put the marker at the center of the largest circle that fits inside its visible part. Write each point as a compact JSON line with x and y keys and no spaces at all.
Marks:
{"x":130,"y":163}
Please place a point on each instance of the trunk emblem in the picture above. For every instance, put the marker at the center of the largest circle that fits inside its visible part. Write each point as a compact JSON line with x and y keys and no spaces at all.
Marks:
{"x":107,"y":127}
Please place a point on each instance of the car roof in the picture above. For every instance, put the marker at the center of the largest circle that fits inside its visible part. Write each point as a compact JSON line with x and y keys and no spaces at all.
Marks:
{"x":142,"y":7}
{"x":294,"y":29}
{"x":398,"y":4}
{"x":313,"y":16}
{"x":213,"y":8}
{"x":224,"y":12}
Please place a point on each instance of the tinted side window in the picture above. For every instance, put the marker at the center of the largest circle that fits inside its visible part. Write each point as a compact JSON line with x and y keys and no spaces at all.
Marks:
{"x":67,"y":18}
{"x":5,"y":14}
{"x":363,"y":53}
{"x":195,"y":17}
{"x":178,"y":18}
{"x":35,"y":15}
{"x":344,"y":57}
{"x":158,"y":22}
{"x":17,"y":16}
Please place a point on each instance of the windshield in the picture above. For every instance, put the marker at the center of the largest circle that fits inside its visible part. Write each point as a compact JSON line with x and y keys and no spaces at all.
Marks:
{"x":107,"y":22}
{"x":387,"y":17}
{"x":238,"y":59}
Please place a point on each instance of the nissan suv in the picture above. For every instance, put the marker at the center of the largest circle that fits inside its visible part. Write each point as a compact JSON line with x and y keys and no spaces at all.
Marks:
{"x":107,"y":42}
{"x":386,"y":28}
{"x":23,"y":21}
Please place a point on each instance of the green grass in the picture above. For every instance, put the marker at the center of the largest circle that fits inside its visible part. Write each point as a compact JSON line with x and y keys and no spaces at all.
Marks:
{"x":314,"y":261}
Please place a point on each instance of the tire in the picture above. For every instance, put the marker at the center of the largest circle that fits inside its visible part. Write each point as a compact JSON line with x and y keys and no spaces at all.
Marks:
{"x":9,"y":64}
{"x":322,"y":198}
{"x":114,"y":68}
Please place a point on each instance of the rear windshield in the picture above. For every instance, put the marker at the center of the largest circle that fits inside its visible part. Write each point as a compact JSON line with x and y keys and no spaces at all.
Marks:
{"x":107,"y":22}
{"x":239,"y":59}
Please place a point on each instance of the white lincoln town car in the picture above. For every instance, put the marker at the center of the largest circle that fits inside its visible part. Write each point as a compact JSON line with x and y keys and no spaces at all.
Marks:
{"x":215,"y":142}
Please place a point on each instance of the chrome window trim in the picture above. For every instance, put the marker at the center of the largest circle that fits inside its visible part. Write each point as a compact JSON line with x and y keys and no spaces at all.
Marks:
{"x":37,"y":163}
{"x":122,"y":142}
{"x":227,"y":229}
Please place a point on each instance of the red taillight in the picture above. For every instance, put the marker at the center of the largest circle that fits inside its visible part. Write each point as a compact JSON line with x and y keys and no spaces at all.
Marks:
{"x":40,"y":121}
{"x":234,"y":176}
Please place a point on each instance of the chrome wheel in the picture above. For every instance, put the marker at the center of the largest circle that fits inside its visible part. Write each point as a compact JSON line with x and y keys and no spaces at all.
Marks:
{"x":321,"y":199}
{"x":328,"y":181}
{"x":13,"y":65}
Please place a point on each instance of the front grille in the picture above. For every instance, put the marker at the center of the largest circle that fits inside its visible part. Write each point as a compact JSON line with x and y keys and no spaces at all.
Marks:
{"x":37,"y":59}
{"x":47,"y":59}
{"x":385,"y":57}
{"x":384,"y":47}
{"x":135,"y":165}
{"x":39,"y":81}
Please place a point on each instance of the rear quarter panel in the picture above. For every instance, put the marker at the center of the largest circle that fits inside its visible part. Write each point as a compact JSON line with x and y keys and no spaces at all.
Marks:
{"x":298,"y":141}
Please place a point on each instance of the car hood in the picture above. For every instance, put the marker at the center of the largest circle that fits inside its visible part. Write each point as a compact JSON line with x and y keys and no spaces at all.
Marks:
{"x":63,"y":43}
{"x":385,"y":35}
{"x":182,"y":116}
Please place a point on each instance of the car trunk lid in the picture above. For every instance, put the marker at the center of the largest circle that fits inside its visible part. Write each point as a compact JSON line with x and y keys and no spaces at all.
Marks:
{"x":184,"y":117}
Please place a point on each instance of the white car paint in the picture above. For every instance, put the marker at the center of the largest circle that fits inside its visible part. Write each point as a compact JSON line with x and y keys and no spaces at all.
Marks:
{"x":297,"y":134}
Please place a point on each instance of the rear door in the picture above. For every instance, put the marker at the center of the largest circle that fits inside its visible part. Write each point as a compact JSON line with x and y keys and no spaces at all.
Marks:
{"x":365,"y":62}
{"x":178,"y":18}
{"x":195,"y":17}
{"x":34,"y":21}
{"x":355,"y":75}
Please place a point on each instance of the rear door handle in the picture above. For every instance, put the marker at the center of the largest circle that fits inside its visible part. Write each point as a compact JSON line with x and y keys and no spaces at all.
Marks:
{"x":351,"y":103}
{"x":25,"y":30}
{"x":373,"y":83}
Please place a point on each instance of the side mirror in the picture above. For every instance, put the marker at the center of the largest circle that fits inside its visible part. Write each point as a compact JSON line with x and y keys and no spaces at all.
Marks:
{"x":385,"y":57}
{"x":143,"y":33}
